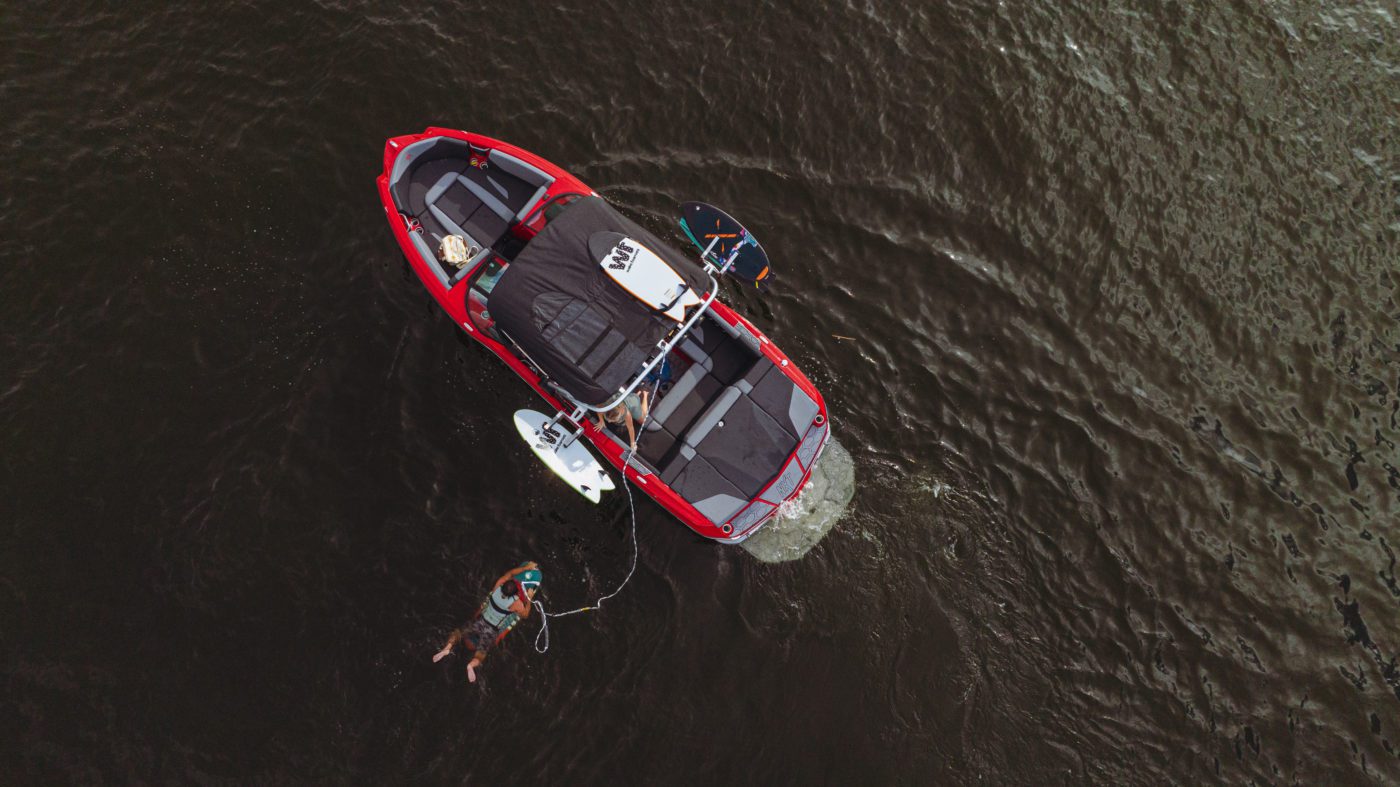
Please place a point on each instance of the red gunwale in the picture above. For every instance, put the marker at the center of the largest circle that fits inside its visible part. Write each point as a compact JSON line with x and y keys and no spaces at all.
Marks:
{"x":454,"y":302}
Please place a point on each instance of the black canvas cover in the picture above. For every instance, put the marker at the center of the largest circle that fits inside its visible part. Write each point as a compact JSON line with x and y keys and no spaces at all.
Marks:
{"x":584,"y":330}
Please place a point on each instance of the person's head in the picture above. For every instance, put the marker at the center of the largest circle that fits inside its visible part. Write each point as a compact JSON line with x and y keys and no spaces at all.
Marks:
{"x":614,"y":416}
{"x":508,"y":590}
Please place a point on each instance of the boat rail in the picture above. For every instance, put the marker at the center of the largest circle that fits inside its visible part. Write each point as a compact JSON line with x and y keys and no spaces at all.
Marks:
{"x":663,"y":348}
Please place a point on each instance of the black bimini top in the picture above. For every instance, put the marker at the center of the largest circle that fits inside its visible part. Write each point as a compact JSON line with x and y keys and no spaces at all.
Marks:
{"x":584,"y":331}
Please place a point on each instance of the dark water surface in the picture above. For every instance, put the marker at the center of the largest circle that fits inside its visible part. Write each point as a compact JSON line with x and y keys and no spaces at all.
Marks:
{"x":1122,"y":398}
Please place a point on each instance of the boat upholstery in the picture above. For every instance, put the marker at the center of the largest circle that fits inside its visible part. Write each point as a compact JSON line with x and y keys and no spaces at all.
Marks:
{"x":754,"y":375}
{"x":712,"y":343}
{"x":746,"y":445}
{"x":730,"y":361}
{"x":696,"y":354}
{"x":654,"y":443}
{"x":701,"y":484}
{"x":789,"y":405}
{"x":433,"y":181}
{"x":705,"y":336}
{"x":717,"y":444}
{"x":526,"y":173}
{"x":706,"y":423}
{"x":689,"y":395}
{"x":464,"y":207}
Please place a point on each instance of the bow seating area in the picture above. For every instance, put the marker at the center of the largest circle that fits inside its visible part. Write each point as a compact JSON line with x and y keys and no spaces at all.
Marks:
{"x":453,"y":188}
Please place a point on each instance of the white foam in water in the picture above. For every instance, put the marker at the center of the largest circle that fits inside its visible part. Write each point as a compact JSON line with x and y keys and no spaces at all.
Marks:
{"x":800,"y":524}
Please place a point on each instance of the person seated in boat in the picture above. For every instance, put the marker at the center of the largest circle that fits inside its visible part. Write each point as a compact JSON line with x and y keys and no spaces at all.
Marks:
{"x":631,"y":411}
{"x":507,"y":603}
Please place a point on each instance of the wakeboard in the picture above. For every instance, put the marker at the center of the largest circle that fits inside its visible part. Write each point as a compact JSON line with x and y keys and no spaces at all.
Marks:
{"x":704,"y":223}
{"x":571,"y":462}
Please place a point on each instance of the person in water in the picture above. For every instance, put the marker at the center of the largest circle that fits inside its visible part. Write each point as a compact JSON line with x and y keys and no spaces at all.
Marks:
{"x":632,"y":410}
{"x":508,"y":602}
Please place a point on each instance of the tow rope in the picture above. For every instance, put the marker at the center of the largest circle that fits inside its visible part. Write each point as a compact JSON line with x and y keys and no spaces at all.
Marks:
{"x":632,"y":509}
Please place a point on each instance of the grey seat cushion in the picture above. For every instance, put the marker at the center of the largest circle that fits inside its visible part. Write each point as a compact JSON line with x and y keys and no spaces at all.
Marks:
{"x":433,"y":230}
{"x":748,"y":446}
{"x":536,"y":181}
{"x":780,"y":397}
{"x":426,"y":178}
{"x":428,"y":254}
{"x":485,"y":225}
{"x":452,"y":227}
{"x":683,"y":402}
{"x":462,"y":206}
{"x":455,"y":201}
{"x":653,"y":444}
{"x":696,"y":353}
{"x":711,"y":418}
{"x":693,"y":404}
{"x":472,"y":181}
{"x":527,"y":172}
{"x":700,"y":484}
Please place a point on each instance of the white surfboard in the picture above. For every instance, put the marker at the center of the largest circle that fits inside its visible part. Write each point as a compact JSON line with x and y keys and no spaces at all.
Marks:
{"x":573,"y":462}
{"x":649,"y":278}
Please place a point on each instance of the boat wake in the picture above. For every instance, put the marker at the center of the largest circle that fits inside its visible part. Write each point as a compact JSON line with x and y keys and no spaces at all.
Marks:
{"x":801,"y":523}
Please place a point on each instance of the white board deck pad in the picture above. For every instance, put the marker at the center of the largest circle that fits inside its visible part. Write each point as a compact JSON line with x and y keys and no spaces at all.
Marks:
{"x":646,"y":276}
{"x":573,"y":462}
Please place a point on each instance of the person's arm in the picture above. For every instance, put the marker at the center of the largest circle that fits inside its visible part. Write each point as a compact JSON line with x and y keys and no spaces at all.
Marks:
{"x":521,"y":606}
{"x":646,"y":403}
{"x":513,"y":572}
{"x":631,"y":431}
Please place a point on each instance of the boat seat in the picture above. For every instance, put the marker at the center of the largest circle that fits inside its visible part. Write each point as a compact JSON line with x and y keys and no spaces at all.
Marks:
{"x":777,"y":395}
{"x":514,"y":196}
{"x":754,"y":375}
{"x":429,"y":240}
{"x":696,"y":353}
{"x":465,"y":207}
{"x":681,"y":405}
{"x":428,"y":253}
{"x":711,"y":342}
{"x":745,"y":444}
{"x":653,"y":444}
{"x":706,"y":334}
{"x":712,"y":417}
{"x":480,"y":204}
{"x":701,"y":484}
{"x":730,"y":361}
{"x":534,"y":180}
{"x":750,"y":429}
{"x":425,"y":177}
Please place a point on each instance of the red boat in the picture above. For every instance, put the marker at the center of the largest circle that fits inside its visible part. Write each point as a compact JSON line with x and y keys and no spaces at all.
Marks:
{"x":588,"y":307}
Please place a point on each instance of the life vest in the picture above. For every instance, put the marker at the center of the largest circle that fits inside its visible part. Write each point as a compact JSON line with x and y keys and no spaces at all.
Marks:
{"x":496,"y":610}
